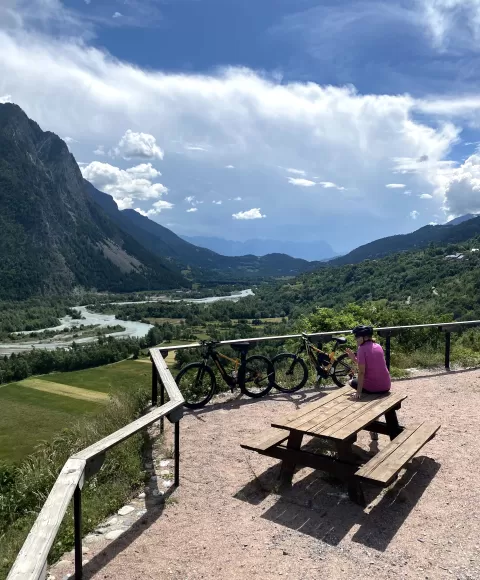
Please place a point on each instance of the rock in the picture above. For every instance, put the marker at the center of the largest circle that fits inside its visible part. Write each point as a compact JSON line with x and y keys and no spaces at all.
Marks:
{"x":85,"y":562}
{"x":111,"y":521}
{"x":167,"y":483}
{"x":125,"y":510}
{"x":165,"y":463}
{"x":64,"y":563}
{"x":165,"y":472}
{"x":114,"y":534}
{"x":142,"y":495}
{"x":101,"y":530}
{"x":157,"y":492}
{"x":85,"y":549}
{"x":91,"y":538}
{"x":141,"y":513}
{"x":148,"y":465}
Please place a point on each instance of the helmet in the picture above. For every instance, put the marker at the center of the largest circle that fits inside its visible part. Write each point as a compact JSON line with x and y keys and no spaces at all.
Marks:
{"x":362,"y":331}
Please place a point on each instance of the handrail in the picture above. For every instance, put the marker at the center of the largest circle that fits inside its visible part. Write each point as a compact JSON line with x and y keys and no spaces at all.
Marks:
{"x":31,"y":562}
{"x":382,"y":331}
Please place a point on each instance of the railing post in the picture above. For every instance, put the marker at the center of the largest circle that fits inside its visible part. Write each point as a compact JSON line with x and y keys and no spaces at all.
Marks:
{"x":154,"y":385}
{"x":77,"y":525}
{"x":162,"y":401}
{"x":447,"y":350}
{"x":387,"y":347}
{"x":177,"y":453}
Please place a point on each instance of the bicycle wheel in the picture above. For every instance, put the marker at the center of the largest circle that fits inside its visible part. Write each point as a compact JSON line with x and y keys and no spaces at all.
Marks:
{"x":343,"y":370}
{"x":259,"y":376}
{"x":196,"y":382}
{"x":291,"y":372}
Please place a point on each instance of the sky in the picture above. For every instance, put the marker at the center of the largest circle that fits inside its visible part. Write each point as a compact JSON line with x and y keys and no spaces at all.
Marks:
{"x":336,"y":120}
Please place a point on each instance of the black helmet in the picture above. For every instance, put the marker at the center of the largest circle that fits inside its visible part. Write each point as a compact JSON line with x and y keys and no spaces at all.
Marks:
{"x":362,"y":331}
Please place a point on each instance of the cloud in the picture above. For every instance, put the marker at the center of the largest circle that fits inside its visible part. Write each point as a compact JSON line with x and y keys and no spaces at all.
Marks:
{"x":100,"y":150}
{"x":138,"y":145}
{"x":395,"y":185}
{"x":117,"y":15}
{"x":452,"y":23}
{"x":247,"y":119}
{"x":125,"y":186}
{"x":237,"y":199}
{"x":5,"y":99}
{"x":141,"y":212}
{"x":193,"y":200}
{"x":158,"y":206}
{"x":296,"y":171}
{"x":251,"y":214}
{"x":462,"y":188}
{"x":301,"y":182}
{"x":192,"y":209}
{"x":330,"y":185}
{"x":229,"y":166}
{"x":219,"y":202}
{"x":414,"y":214}
{"x":69,"y":140}
{"x":426,"y":196}
{"x":195,"y":148}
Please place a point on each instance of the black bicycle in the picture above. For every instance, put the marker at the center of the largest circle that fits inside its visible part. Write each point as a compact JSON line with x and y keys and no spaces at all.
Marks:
{"x":291,"y":371}
{"x":254,"y":375}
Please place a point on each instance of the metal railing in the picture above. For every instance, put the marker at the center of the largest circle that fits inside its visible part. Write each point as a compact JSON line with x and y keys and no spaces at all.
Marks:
{"x":385,"y":332}
{"x":31,"y":562}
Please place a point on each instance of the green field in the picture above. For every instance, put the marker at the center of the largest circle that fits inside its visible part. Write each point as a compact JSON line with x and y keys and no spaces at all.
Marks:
{"x":34,"y":410}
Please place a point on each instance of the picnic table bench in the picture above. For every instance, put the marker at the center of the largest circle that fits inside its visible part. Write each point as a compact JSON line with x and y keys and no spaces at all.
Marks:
{"x":338,"y":418}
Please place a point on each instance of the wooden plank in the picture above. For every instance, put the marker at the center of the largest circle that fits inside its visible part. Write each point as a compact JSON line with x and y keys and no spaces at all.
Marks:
{"x":354,"y":423}
{"x":31,"y":560}
{"x":282,"y":422}
{"x":265,"y":439}
{"x":166,"y":377}
{"x":319,"y":418}
{"x":314,"y":414}
{"x":385,"y":466}
{"x":127,"y":431}
{"x":355,"y":409}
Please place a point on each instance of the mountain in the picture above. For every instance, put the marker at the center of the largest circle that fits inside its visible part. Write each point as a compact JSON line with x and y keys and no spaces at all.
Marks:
{"x":442,"y":234}
{"x":461,"y":219}
{"x":197,"y":263}
{"x":52,"y":235}
{"x":311,"y":251}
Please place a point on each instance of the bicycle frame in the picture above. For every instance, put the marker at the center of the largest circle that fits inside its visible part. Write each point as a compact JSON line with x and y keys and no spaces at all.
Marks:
{"x":311,"y":349}
{"x":215,"y":356}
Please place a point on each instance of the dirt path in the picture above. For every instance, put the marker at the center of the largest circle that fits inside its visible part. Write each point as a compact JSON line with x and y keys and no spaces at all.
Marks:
{"x":226,"y":520}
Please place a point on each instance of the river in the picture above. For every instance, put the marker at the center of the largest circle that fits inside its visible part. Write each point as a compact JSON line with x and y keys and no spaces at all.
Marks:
{"x":132,"y":329}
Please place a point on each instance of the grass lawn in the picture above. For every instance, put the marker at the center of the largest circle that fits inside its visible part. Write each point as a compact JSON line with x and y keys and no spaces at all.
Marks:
{"x":30,"y":416}
{"x":107,"y":378}
{"x":33,"y":410}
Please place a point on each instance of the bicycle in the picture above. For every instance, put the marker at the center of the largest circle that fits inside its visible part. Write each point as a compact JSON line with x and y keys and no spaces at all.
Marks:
{"x":255,"y":375}
{"x":291,"y":371}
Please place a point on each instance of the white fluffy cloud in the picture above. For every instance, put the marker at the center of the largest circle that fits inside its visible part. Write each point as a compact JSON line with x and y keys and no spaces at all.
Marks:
{"x":426,"y":196}
{"x":229,"y":166}
{"x":251,"y":214}
{"x":395,"y":185}
{"x":138,"y":145}
{"x":248,"y":120}
{"x":218,"y":202}
{"x":5,"y":99}
{"x":296,"y":171}
{"x":301,"y":182}
{"x":192,"y":209}
{"x":124,"y":186}
{"x":100,"y":150}
{"x":462,"y":190}
{"x":414,"y":214}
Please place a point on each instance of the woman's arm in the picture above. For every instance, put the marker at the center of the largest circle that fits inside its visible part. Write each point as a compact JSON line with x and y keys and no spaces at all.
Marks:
{"x":351,"y":355}
{"x":360,"y":379}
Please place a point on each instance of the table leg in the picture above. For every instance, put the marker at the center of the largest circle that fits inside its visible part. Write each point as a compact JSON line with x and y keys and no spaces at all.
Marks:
{"x":393,"y":425}
{"x":288,"y":467}
{"x":345,"y":453}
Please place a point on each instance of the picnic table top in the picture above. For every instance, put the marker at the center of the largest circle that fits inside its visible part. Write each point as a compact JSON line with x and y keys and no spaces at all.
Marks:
{"x":339,"y":415}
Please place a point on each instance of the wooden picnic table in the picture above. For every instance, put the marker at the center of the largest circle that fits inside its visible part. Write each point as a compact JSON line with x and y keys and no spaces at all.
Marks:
{"x":338,"y":418}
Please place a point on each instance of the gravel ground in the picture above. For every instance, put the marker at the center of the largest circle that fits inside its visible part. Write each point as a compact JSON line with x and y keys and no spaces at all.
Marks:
{"x":227,"y":520}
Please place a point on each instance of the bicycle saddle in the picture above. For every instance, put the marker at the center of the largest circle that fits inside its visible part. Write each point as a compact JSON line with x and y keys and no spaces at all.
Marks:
{"x":339,"y":339}
{"x":241,"y":346}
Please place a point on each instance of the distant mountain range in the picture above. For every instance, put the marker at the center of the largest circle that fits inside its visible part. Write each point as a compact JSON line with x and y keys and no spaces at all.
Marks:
{"x":457,"y":230}
{"x":311,"y":251}
{"x":57,"y":231}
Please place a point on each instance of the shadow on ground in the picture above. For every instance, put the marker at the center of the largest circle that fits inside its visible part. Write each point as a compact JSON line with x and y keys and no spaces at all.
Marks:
{"x":318,"y":504}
